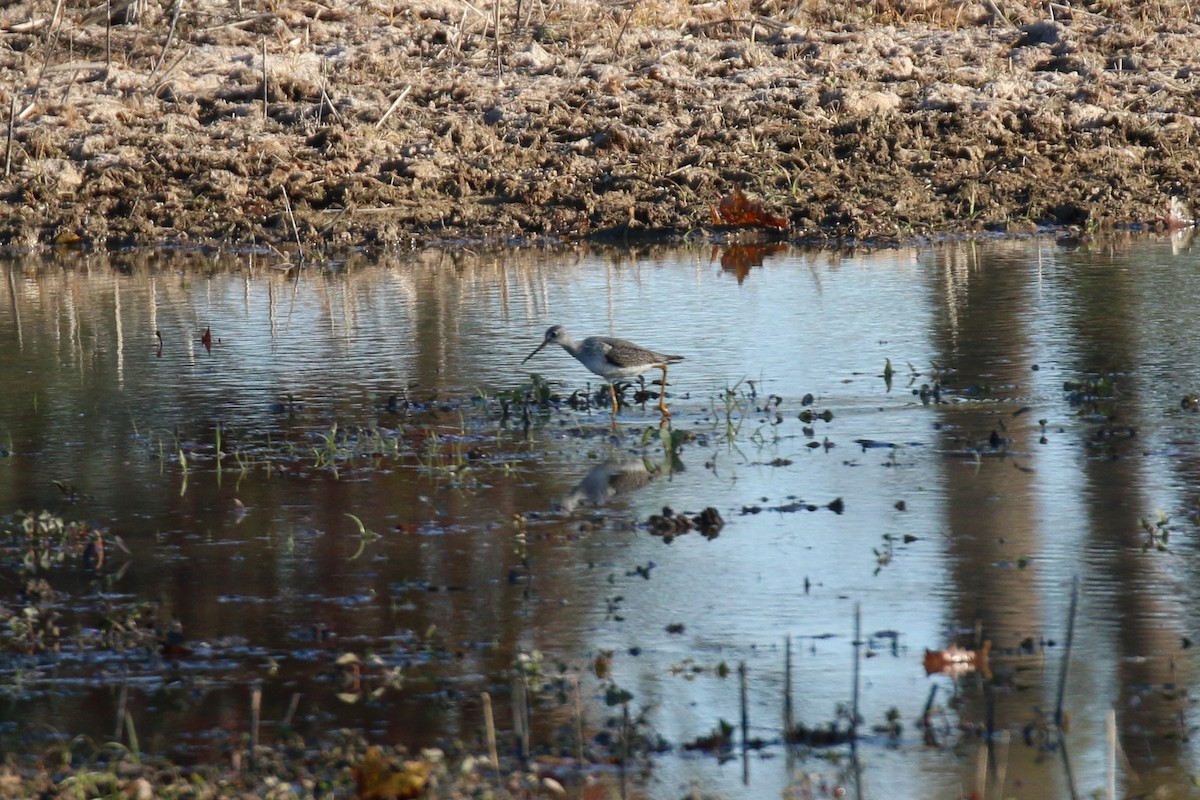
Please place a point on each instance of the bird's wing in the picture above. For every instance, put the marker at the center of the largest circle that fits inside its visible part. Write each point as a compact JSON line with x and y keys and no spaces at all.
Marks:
{"x":607,"y":347}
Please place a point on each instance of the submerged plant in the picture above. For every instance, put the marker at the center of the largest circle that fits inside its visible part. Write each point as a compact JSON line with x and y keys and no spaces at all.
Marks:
{"x":1157,"y":532}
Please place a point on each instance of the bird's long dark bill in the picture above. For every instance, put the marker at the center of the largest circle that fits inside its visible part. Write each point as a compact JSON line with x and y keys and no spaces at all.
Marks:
{"x":534,"y":353}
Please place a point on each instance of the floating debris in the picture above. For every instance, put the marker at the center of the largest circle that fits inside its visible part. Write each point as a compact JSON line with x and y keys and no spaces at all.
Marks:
{"x":955,"y":660}
{"x":718,"y":740}
{"x":669,"y":524}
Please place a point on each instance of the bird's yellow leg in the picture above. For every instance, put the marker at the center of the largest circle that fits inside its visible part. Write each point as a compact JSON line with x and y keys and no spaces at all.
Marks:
{"x":662,"y":395}
{"x":612,"y":390}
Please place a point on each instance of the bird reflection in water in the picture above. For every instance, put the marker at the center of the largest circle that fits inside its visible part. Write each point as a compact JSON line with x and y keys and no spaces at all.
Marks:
{"x":605,"y":481}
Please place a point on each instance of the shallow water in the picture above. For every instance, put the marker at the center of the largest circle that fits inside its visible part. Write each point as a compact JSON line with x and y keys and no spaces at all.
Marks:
{"x":378,"y":390}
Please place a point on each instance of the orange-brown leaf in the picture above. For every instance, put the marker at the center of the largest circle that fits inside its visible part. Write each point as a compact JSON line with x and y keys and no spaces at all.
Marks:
{"x":740,"y":211}
{"x":955,"y":660}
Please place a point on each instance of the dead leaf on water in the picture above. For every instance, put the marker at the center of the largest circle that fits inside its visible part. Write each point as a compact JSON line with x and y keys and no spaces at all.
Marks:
{"x":955,"y":660}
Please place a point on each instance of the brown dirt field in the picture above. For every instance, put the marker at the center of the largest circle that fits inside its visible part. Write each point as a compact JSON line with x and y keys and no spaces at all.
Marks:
{"x":399,"y":122}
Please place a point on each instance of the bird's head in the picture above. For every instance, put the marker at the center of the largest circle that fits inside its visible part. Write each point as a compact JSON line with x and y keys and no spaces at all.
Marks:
{"x":555,"y":334}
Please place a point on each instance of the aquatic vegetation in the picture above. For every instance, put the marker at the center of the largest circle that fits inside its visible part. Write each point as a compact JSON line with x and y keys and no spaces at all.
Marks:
{"x":44,"y":540}
{"x":1157,"y":533}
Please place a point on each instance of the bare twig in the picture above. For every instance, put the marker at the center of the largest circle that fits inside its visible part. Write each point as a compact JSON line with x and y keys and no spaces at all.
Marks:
{"x":170,"y":35}
{"x":70,"y":84}
{"x":162,"y":79}
{"x":395,"y":104}
{"x":995,"y":9}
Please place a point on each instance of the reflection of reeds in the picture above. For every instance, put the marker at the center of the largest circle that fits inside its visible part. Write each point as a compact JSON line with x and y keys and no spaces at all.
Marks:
{"x":1066,"y":658}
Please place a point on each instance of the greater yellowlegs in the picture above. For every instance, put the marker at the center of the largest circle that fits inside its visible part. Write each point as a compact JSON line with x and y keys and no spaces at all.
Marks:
{"x":611,"y":359}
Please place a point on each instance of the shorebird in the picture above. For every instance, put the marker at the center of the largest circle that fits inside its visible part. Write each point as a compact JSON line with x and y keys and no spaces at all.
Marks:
{"x":611,"y":359}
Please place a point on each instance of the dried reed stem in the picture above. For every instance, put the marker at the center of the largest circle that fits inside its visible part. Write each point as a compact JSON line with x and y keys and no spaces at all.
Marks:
{"x":122,"y":700}
{"x":264,"y":77}
{"x":56,"y":18}
{"x":395,"y":104}
{"x":624,"y":749}
{"x":1110,"y":728}
{"x":578,"y":720}
{"x":496,"y":31}
{"x":107,"y":40}
{"x":981,"y":766}
{"x":490,"y":723}
{"x":520,"y":712}
{"x":624,"y":27}
{"x":170,"y":35}
{"x":12,"y":123}
{"x":744,"y":691}
{"x":255,"y":716}
{"x":788,"y":709}
{"x":287,"y":203}
{"x":292,"y":706}
{"x":857,"y":661}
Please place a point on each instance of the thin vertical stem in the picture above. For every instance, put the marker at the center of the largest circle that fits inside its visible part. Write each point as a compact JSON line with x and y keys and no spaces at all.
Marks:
{"x":12,"y":123}
{"x":857,"y":660}
{"x":122,"y":700}
{"x":578,"y":720}
{"x":743,"y":682}
{"x":255,"y":716}
{"x":788,"y":712}
{"x":264,"y":77}
{"x":496,"y":31}
{"x":490,"y":723}
{"x":624,"y":747}
{"x":1110,"y":724}
{"x":1066,"y":662}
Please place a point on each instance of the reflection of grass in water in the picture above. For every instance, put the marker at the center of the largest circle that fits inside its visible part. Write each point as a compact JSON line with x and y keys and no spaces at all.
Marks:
{"x":736,"y":401}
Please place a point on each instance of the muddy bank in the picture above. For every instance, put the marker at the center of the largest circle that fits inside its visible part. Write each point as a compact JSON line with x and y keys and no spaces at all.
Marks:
{"x":383,"y":123}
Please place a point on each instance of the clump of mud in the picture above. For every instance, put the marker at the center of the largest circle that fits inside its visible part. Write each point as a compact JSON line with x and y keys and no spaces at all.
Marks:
{"x":330,"y":124}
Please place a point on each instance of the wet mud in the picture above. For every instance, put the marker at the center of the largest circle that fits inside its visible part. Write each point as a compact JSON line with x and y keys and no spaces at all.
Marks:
{"x":318,"y":126}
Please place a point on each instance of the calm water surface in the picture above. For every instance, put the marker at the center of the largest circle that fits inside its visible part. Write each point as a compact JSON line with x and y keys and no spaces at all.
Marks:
{"x":968,"y":514}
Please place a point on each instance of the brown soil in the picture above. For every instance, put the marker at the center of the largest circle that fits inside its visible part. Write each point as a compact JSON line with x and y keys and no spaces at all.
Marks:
{"x":410,"y":121}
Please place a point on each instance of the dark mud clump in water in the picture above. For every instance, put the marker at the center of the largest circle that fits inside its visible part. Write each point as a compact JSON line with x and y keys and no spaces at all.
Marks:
{"x":378,"y":123}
